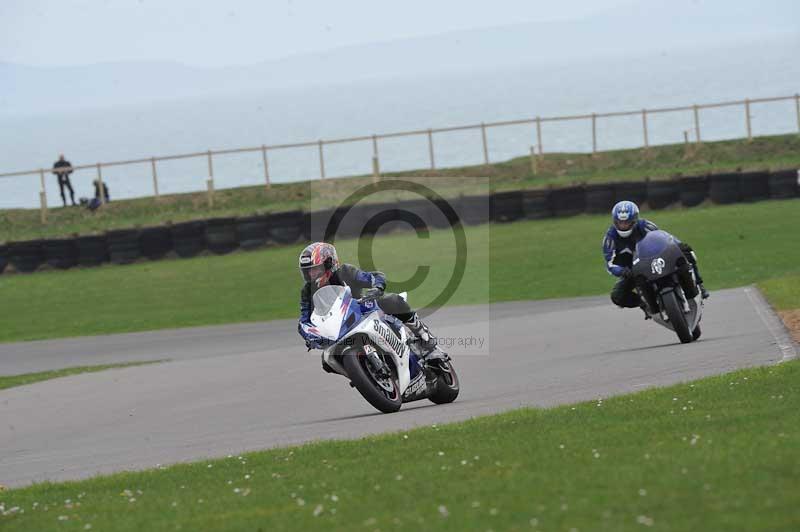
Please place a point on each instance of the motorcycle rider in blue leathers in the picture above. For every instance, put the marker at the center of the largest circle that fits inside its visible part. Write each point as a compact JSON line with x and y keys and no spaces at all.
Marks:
{"x":619,"y":243}
{"x":319,"y":266}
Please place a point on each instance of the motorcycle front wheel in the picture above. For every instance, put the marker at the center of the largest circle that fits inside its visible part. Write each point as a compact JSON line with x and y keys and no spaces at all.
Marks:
{"x":381,"y":392}
{"x":674,"y":311}
{"x":447,"y":385}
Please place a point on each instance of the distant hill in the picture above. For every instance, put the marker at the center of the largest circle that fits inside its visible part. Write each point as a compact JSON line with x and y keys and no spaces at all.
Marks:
{"x":653,"y":26}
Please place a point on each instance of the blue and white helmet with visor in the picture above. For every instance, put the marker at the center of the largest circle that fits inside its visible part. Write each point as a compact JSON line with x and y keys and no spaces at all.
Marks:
{"x":624,"y":215}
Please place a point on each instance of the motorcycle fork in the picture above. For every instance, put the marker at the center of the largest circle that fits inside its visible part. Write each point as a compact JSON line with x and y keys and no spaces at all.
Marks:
{"x":682,"y":294}
{"x":647,"y":295}
{"x":374,"y":360}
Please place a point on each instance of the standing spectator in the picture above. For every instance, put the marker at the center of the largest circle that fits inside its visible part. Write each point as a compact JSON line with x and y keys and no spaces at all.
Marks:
{"x":63,"y":178}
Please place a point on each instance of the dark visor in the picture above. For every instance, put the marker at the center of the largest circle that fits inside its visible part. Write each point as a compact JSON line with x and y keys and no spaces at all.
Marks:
{"x":312,"y":273}
{"x":624,"y":225}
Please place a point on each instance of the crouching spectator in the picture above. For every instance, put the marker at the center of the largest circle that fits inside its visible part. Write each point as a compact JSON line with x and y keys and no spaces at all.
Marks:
{"x":95,"y":202}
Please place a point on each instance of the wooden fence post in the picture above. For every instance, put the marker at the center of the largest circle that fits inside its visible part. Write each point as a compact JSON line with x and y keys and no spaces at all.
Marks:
{"x":594,"y":133}
{"x":747,"y":120}
{"x":697,"y":123}
{"x":485,"y":144}
{"x":266,"y":164}
{"x":534,"y":163}
{"x":210,"y":191}
{"x":321,"y":160}
{"x":155,"y":175}
{"x":210,"y":181}
{"x":376,"y":164}
{"x":430,"y":149}
{"x":539,"y":135}
{"x":644,"y":130}
{"x":42,"y":197}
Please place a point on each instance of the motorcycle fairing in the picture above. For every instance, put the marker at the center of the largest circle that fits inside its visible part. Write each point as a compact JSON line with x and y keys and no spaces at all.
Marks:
{"x":339,"y":317}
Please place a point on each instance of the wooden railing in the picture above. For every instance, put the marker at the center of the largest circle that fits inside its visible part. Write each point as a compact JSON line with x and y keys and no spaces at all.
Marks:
{"x":537,"y":151}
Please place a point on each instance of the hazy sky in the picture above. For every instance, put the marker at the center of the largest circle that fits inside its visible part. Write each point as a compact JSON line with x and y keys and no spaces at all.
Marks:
{"x":206,"y":33}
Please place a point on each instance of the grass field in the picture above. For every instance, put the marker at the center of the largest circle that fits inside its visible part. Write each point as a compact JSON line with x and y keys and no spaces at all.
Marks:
{"x":736,"y":245}
{"x":718,"y":454}
{"x":10,"y":381}
{"x":783,"y":292}
{"x":555,"y":169}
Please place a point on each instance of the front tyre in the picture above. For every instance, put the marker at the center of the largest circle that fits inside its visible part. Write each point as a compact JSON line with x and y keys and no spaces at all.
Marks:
{"x":447,"y":385}
{"x":674,"y":311}
{"x":381,"y":392}
{"x":696,"y":333}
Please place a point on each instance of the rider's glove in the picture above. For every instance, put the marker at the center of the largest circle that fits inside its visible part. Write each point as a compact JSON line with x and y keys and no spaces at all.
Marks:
{"x":626,"y":273}
{"x":372,"y":293}
{"x":314,"y":342}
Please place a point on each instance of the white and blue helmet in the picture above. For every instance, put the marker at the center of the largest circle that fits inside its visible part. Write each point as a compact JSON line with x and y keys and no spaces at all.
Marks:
{"x":624,"y":215}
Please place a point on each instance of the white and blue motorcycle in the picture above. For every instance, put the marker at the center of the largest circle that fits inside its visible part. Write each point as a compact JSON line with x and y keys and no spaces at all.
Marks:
{"x":374,"y":351}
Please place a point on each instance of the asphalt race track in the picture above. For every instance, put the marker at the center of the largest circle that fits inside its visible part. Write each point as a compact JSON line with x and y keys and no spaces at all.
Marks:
{"x":229,"y":389}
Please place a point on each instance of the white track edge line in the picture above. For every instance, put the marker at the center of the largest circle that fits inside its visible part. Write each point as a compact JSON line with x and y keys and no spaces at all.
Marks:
{"x":773,"y":323}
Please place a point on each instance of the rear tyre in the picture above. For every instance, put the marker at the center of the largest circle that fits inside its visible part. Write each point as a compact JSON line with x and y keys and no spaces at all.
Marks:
{"x":696,"y":333}
{"x":387,"y":401}
{"x":675,"y":313}
{"x":447,"y":385}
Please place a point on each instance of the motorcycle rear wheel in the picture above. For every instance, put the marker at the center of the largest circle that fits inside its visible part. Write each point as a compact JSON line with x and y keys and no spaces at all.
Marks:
{"x":674,"y":311}
{"x":356,"y":366}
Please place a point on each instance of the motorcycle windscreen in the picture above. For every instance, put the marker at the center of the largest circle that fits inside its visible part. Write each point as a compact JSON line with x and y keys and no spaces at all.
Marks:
{"x":328,"y":296}
{"x":653,"y":244}
{"x":334,"y":311}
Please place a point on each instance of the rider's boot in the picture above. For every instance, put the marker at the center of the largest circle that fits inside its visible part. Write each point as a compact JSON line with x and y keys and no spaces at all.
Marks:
{"x":427,"y":342}
{"x":703,"y":292}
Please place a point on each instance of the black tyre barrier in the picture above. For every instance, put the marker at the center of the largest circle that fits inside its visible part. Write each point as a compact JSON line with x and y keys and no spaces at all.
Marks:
{"x":723,"y":188}
{"x":445,"y":212}
{"x":568,"y":201}
{"x":221,"y":235}
{"x":784,"y":184}
{"x":123,"y":246}
{"x":506,"y":206}
{"x":314,"y":225}
{"x":92,"y":250}
{"x":286,"y":227}
{"x":252,"y":231}
{"x":753,"y":186}
{"x":352,"y":220}
{"x":188,"y":238}
{"x":693,"y":190}
{"x":536,"y":204}
{"x":155,"y":242}
{"x":635,"y":191}
{"x":3,"y":258}
{"x":600,"y":197}
{"x":661,"y":194}
{"x":393,"y":217}
{"x":26,"y":256}
{"x":60,"y":253}
{"x":474,"y":210}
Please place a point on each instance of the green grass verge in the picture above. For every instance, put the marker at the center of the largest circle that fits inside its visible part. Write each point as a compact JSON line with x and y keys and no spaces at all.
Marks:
{"x":556,"y":169}
{"x":719,"y":454}
{"x":783,"y":292}
{"x":737,"y":245}
{"x":10,"y":381}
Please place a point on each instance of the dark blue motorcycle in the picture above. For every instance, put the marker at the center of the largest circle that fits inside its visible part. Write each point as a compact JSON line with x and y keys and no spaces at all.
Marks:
{"x":666,"y":283}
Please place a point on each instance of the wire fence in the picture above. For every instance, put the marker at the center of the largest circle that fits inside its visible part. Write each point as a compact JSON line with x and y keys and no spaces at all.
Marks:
{"x":537,"y":148}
